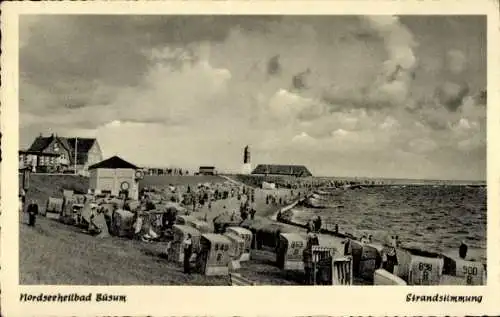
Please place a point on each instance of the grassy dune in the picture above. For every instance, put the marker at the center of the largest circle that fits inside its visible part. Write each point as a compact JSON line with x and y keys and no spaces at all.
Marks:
{"x":44,"y":186}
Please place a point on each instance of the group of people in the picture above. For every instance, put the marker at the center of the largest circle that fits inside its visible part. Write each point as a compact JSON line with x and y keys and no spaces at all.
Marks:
{"x":314,"y":225}
{"x":247,"y":209}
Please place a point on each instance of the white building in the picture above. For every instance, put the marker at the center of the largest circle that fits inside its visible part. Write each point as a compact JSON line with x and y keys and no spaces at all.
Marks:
{"x":114,"y":176}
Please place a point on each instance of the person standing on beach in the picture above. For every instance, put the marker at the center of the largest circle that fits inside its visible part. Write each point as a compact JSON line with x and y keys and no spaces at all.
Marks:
{"x":390,"y":257}
{"x":32,"y":213}
{"x":188,"y":251}
{"x":462,"y":250}
{"x":252,"y":213}
{"x":317,"y":224}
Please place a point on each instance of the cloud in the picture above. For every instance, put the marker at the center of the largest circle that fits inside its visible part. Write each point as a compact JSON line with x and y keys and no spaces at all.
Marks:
{"x":184,"y":90}
{"x":456,"y":61}
{"x":454,"y":88}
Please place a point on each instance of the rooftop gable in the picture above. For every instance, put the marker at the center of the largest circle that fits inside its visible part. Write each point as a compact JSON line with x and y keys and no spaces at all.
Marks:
{"x":83,"y":145}
{"x":40,"y":143}
{"x":113,"y":162}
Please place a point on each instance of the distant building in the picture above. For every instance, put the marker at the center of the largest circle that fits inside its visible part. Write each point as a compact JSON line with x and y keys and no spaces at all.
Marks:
{"x":62,"y":153}
{"x":206,"y":170}
{"x":114,"y":176}
{"x":286,"y":170}
{"x":43,"y":162}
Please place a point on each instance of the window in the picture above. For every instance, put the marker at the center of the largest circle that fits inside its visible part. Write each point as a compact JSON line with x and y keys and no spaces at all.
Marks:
{"x":56,"y":147}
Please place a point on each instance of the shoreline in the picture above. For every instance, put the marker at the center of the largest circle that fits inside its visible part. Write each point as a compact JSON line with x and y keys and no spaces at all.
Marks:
{"x":426,"y":252}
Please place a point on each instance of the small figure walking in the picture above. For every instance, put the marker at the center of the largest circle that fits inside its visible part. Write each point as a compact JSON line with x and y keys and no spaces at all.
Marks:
{"x":252,"y":213}
{"x":32,"y":213}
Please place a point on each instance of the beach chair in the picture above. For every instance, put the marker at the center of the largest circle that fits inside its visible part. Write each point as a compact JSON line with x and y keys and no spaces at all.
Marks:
{"x":235,"y":279}
{"x":342,"y":268}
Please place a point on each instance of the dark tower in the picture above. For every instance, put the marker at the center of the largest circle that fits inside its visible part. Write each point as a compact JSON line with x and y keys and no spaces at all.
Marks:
{"x":247,"y":166}
{"x":246,"y":155}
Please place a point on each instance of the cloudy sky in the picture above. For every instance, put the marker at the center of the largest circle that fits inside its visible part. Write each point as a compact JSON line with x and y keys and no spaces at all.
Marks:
{"x":349,"y":96}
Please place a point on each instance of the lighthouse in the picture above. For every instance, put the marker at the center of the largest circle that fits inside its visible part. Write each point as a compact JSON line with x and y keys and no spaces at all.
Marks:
{"x":247,"y":166}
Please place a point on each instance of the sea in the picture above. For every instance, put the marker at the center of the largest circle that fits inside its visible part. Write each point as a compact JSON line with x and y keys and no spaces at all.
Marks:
{"x":429,"y":217}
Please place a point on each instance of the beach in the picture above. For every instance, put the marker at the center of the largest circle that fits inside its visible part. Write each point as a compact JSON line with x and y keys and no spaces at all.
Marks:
{"x":371,"y":210}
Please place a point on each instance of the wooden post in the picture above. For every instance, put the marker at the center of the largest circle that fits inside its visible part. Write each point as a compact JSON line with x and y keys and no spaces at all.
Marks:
{"x":314,"y":268}
{"x":76,"y":153}
{"x":334,"y":277}
{"x":26,"y":179}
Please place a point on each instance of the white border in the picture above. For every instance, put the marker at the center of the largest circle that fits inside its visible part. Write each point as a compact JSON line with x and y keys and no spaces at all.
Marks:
{"x":265,"y":300}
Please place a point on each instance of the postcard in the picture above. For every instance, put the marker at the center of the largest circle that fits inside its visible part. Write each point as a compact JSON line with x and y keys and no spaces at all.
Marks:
{"x":241,"y":158}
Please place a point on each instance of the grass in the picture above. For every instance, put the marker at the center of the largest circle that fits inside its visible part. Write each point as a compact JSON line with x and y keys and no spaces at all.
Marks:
{"x":53,"y":253}
{"x":44,"y":186}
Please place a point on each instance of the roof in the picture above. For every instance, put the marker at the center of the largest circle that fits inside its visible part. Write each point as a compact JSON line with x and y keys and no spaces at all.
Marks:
{"x":278,"y":227}
{"x":233,"y":236}
{"x":40,"y":144}
{"x":187,"y":229}
{"x":294,"y":170}
{"x":216,"y":238}
{"x":207,"y":167}
{"x":292,"y":236}
{"x":240,"y":230}
{"x":198,"y":222}
{"x":268,"y":225}
{"x":83,"y":145}
{"x":113,"y":162}
{"x":125,"y":213}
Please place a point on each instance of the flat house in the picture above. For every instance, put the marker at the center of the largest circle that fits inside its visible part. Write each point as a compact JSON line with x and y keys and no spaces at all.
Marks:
{"x":55,"y":153}
{"x":283,"y":170}
{"x":206,"y":170}
{"x":114,"y":176}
